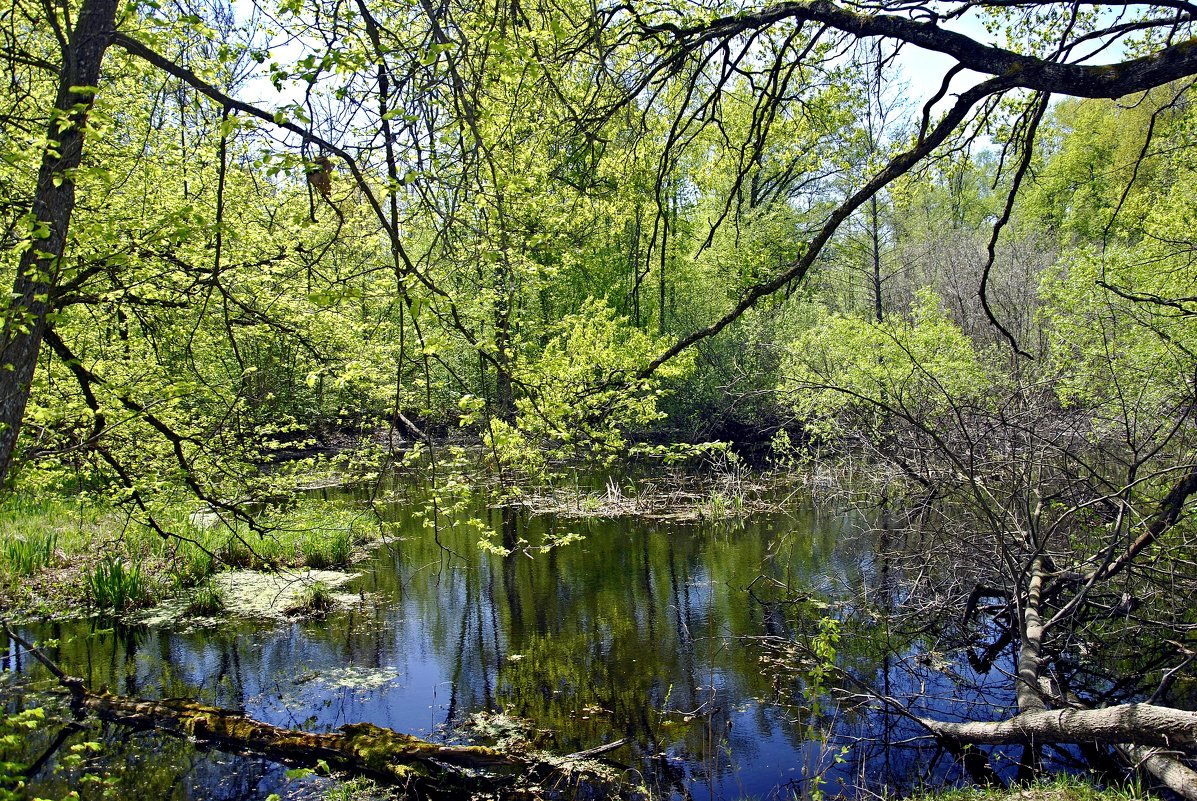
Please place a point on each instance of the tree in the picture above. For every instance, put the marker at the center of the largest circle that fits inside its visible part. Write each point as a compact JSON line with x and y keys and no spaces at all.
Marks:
{"x":1054,"y":494}
{"x":44,"y":238}
{"x":1045,"y":56}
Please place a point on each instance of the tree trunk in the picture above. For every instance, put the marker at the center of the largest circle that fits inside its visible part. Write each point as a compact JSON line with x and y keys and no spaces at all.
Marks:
{"x":428,"y":769}
{"x":1147,"y":736}
{"x":1170,"y":772}
{"x":875,"y":235}
{"x":37,"y":277}
{"x":1141,"y":724}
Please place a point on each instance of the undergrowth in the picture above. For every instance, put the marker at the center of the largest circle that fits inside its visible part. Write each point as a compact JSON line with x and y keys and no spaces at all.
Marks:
{"x":60,"y":555}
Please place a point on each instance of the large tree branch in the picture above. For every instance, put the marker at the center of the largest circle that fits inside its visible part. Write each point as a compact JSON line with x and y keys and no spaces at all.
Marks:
{"x":1028,"y":72}
{"x":1140,"y":724}
{"x":1171,"y":772}
{"x":1168,"y":512}
{"x":143,"y":52}
{"x":898,"y":166}
{"x":1030,"y":649}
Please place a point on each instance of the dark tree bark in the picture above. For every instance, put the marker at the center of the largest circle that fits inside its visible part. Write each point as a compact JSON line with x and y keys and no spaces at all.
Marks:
{"x":33,"y":292}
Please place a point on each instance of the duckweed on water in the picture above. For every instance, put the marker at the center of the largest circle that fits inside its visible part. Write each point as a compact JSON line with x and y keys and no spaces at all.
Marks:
{"x":353,"y":677}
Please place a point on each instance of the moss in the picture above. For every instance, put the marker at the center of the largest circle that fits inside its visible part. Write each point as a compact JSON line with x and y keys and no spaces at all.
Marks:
{"x":389,"y":753}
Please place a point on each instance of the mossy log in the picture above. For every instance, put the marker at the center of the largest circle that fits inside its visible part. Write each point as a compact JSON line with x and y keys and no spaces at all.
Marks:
{"x":357,"y":748}
{"x":363,"y":749}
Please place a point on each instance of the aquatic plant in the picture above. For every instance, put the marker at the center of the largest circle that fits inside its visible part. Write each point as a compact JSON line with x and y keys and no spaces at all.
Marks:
{"x":25,"y":556}
{"x":112,"y":585}
{"x":206,"y":600}
{"x":263,"y":552}
{"x":315,"y":599}
{"x":720,"y":505}
{"x":322,"y":549}
{"x":192,"y":565}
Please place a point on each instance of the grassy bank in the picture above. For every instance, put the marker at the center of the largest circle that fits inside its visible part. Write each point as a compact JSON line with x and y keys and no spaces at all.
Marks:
{"x":1055,"y":788}
{"x":60,"y":557}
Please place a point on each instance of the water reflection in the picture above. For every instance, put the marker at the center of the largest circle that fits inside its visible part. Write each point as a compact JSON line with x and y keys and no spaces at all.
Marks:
{"x":640,"y":630}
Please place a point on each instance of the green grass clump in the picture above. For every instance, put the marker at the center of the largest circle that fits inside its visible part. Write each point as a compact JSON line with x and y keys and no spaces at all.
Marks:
{"x":257,"y":553}
{"x":192,"y":565}
{"x":1060,"y":787}
{"x":327,"y":549}
{"x":60,"y":553}
{"x":206,"y":600}
{"x":114,"y":586}
{"x":315,"y":599}
{"x":24,"y":556}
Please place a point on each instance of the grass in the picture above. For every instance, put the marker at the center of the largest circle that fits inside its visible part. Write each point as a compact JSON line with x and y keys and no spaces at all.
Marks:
{"x":58,"y":555}
{"x":24,"y":556}
{"x":316,"y":599}
{"x":205,"y":600}
{"x":333,"y":549}
{"x":1060,"y":787}
{"x":116,"y":587}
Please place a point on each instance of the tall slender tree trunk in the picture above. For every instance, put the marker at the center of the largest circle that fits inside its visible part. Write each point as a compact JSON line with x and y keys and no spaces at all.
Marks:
{"x":875,"y":225}
{"x":37,"y":277}
{"x":504,"y":350}
{"x":670,"y":217}
{"x":634,"y":265}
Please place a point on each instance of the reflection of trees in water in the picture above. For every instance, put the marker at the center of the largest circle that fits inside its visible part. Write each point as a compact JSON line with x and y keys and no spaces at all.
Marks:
{"x":135,"y":764}
{"x":638,"y":631}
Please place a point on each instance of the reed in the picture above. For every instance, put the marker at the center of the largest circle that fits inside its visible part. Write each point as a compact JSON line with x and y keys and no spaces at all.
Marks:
{"x":113,"y":585}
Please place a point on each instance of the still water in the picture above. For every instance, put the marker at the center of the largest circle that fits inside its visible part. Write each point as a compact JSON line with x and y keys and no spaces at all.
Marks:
{"x":650,"y":631}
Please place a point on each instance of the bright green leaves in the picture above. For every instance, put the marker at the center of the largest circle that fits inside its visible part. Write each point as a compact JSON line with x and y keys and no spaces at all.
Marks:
{"x":1100,"y":179}
{"x":583,"y":391}
{"x":921,"y":365}
{"x":1118,"y":307}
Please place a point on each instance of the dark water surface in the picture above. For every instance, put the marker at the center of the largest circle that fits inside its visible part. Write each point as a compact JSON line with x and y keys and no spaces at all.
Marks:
{"x":641,"y":630}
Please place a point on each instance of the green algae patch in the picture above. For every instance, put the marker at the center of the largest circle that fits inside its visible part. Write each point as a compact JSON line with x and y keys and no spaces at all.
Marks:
{"x":248,"y":593}
{"x":254,"y":594}
{"x":352,"y":677}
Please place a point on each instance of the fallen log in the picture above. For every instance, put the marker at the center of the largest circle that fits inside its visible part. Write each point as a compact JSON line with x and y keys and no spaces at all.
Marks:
{"x":1138,"y":724}
{"x":1167,"y":769}
{"x":362,"y":749}
{"x":357,"y":748}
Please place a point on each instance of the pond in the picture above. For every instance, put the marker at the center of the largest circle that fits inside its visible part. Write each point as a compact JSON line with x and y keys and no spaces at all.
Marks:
{"x":663,"y":633}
